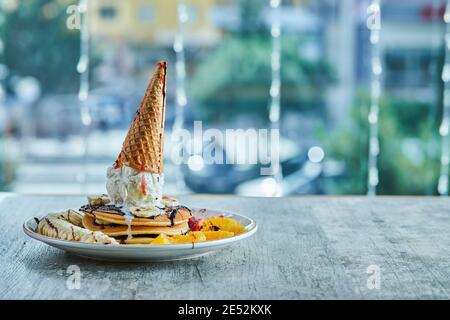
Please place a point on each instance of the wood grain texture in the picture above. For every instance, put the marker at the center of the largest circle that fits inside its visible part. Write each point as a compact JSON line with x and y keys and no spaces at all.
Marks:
{"x":305,"y":248}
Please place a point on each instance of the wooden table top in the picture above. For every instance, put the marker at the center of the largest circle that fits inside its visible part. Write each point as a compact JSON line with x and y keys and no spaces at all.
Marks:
{"x":305,"y":248}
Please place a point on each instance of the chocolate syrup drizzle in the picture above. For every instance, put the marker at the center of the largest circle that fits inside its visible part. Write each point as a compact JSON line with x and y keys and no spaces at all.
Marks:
{"x":52,"y":226}
{"x":171,"y":212}
{"x":107,"y":208}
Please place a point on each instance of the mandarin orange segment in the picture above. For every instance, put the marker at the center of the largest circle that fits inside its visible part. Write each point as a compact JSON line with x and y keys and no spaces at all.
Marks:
{"x":162,"y":239}
{"x":194,"y":236}
{"x":223,"y":224}
{"x":139,"y":240}
{"x":217,"y":235}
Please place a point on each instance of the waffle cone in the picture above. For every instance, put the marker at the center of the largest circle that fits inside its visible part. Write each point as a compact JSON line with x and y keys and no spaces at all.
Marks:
{"x":143,"y":147}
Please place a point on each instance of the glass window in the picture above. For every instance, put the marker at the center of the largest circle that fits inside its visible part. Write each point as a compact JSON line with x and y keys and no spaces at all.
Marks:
{"x":192,"y":13}
{"x":108,"y":12}
{"x":146,"y":13}
{"x":228,"y":71}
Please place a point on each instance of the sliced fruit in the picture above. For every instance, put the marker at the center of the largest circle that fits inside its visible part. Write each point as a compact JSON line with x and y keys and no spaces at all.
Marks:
{"x":169,"y":202}
{"x":162,"y":239}
{"x":216,"y":235}
{"x":195,"y":224}
{"x":144,"y":212}
{"x":194,"y":236}
{"x":139,"y":240}
{"x":222,"y":224}
{"x":98,"y":200}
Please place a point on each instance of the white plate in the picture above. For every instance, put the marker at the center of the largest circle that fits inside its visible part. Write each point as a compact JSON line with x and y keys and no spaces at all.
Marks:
{"x":139,"y":252}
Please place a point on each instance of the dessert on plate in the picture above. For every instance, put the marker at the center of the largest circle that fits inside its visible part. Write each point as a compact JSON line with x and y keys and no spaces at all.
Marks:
{"x":134,"y":210}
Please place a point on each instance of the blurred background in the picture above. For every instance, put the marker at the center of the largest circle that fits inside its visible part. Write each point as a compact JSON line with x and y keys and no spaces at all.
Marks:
{"x":67,"y":96}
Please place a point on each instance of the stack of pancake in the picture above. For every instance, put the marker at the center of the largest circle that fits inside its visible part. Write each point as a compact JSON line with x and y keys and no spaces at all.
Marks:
{"x":102,"y":216}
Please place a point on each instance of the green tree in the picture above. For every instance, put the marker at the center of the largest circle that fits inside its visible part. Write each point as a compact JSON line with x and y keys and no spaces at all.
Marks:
{"x":37,"y":43}
{"x":235,"y":77}
{"x":406,"y":163}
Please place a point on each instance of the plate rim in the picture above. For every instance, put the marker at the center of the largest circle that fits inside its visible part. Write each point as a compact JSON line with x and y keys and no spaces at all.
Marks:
{"x":251,"y":228}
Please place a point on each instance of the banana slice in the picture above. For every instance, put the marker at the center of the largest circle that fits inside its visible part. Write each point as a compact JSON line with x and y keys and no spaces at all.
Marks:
{"x":72,"y":216}
{"x":169,"y":202}
{"x":145,"y":212}
{"x":98,"y":200}
{"x":66,"y":225}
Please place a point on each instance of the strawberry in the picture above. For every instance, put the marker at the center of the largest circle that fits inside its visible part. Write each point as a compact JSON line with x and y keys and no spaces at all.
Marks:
{"x":195,"y":224}
{"x":144,"y":186}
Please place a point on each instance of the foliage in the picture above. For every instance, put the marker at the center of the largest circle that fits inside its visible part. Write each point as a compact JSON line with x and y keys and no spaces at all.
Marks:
{"x":37,"y":43}
{"x":409,"y":158}
{"x":235,"y":77}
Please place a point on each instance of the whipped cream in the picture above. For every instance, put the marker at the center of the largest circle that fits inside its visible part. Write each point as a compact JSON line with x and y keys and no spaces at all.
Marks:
{"x":139,"y":193}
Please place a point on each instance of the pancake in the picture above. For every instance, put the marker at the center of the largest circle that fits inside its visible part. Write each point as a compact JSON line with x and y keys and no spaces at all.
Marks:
{"x":122,"y":230}
{"x":181,"y":215}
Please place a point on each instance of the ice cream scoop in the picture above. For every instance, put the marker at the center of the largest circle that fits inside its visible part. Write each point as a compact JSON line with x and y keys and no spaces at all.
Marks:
{"x":133,"y":188}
